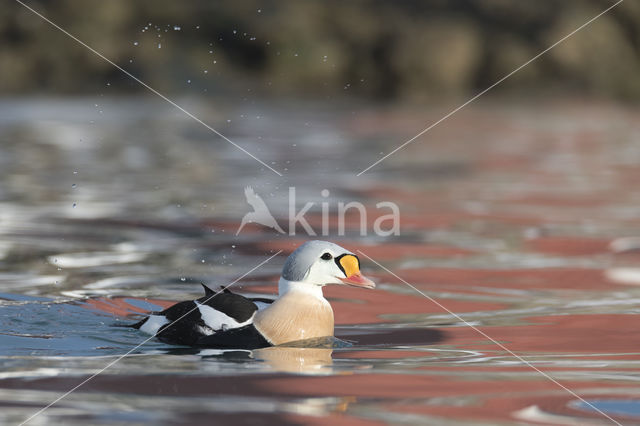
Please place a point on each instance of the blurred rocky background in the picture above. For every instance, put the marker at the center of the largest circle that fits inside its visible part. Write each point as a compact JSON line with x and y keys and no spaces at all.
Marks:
{"x":384,"y":50}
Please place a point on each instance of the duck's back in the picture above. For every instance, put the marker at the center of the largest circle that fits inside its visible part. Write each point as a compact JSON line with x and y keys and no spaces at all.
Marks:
{"x":223,"y":318}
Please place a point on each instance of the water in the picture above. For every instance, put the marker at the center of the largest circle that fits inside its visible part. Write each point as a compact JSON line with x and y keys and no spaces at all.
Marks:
{"x":519,"y":218}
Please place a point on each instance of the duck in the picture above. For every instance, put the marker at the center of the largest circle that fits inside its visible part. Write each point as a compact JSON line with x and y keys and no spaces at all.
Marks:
{"x":228,"y":320}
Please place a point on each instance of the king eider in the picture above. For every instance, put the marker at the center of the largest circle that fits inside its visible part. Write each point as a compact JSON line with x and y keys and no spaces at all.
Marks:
{"x":227,"y":320}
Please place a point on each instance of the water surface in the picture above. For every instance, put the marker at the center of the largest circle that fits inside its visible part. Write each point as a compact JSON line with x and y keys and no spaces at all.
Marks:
{"x":520,"y":218}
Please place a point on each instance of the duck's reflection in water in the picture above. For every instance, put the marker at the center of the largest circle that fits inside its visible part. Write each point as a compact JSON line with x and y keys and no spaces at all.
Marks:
{"x":312,"y":356}
{"x":296,"y":360}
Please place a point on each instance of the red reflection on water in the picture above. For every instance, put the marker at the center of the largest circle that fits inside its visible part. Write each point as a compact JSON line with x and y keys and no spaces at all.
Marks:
{"x":119,"y":306}
{"x":523,"y":279}
{"x":569,"y":246}
{"x":558,"y":334}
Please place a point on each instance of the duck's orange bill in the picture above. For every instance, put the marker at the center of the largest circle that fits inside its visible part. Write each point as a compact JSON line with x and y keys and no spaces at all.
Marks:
{"x":350,"y":266}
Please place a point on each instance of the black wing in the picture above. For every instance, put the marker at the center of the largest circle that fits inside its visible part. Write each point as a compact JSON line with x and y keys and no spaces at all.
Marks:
{"x":231,"y":304}
{"x":185,"y":326}
{"x":247,"y":337}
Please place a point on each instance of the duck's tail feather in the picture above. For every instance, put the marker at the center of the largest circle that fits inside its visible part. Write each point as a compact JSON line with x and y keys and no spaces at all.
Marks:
{"x":136,"y":325}
{"x":207,"y":290}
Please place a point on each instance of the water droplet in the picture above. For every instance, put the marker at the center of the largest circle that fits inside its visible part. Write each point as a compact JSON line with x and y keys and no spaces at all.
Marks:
{"x":206,"y":71}
{"x":159,"y":45}
{"x":74,"y":205}
{"x":75,"y":172}
{"x":176,"y":28}
{"x":229,"y":121}
{"x":73,"y":185}
{"x":135,"y":43}
{"x":183,"y":279}
{"x":233,"y":246}
{"x":259,"y":10}
{"x":215,"y":62}
{"x":235,"y":31}
{"x":189,"y":81}
{"x":202,"y":260}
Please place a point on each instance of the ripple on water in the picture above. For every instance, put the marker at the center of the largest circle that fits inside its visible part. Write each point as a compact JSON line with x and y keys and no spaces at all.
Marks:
{"x":85,"y":260}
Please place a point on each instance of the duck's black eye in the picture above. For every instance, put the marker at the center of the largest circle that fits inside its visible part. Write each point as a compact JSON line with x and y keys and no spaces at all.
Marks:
{"x":326,"y":256}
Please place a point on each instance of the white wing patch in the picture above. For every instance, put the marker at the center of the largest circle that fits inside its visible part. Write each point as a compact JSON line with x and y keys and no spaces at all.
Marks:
{"x":217,"y":320}
{"x":205,"y":330}
{"x":153,"y":324}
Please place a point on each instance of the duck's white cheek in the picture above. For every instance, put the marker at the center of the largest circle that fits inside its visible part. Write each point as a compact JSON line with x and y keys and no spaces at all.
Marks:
{"x":324,"y":272}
